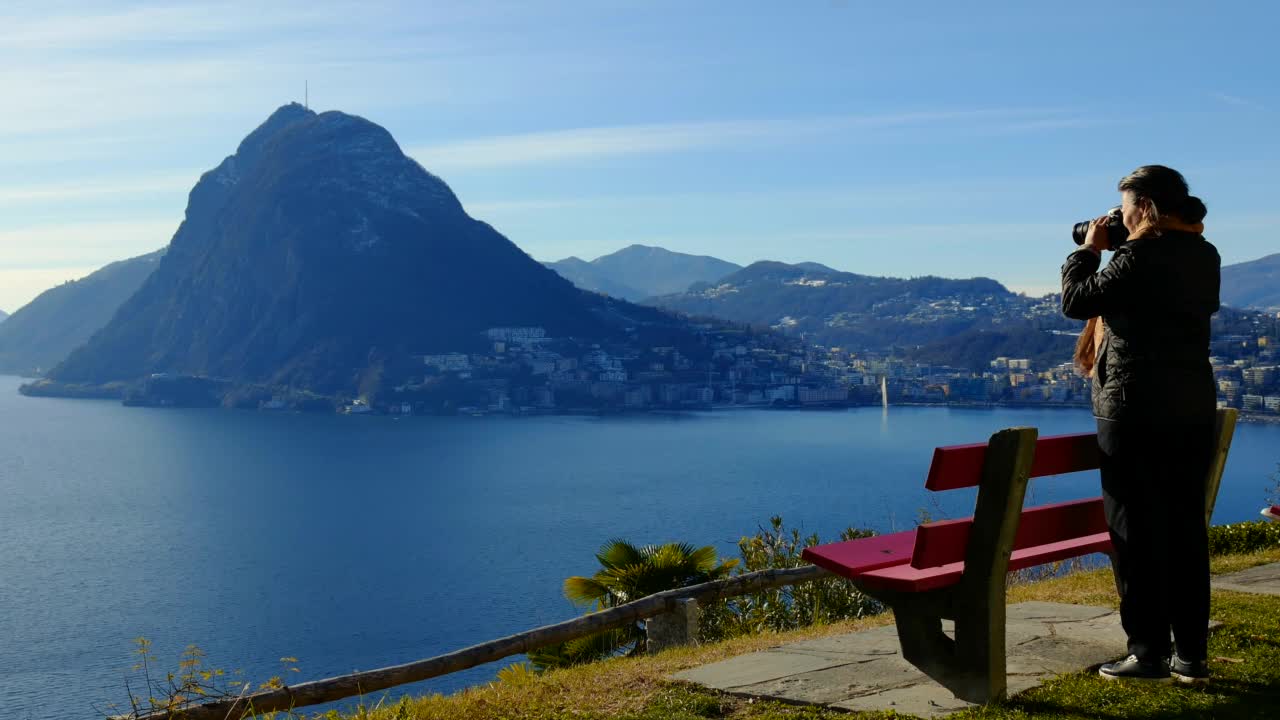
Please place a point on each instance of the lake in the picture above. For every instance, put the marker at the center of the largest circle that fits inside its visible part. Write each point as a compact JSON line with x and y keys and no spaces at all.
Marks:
{"x":358,"y":542}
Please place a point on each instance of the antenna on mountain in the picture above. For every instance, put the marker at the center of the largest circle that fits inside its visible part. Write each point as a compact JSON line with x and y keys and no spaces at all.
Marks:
{"x":306,"y":94}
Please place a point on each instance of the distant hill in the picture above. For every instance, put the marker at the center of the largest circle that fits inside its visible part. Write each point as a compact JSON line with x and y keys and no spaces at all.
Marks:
{"x":974,"y":349}
{"x":317,"y":256}
{"x":640,"y":271}
{"x":3,"y":316}
{"x":588,"y":277}
{"x":1254,"y":284}
{"x":862,"y":311}
{"x":44,"y":331}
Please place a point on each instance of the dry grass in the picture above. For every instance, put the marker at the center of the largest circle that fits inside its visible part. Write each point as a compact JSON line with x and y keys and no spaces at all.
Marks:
{"x":609,"y":689}
{"x":639,"y":688}
{"x":1233,"y":563}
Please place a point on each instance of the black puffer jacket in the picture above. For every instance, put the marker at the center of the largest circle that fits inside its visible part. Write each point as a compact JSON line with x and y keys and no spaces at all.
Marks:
{"x":1155,"y":298}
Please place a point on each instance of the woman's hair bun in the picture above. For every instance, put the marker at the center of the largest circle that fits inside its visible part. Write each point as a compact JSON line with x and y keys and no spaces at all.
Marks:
{"x":1192,"y":210}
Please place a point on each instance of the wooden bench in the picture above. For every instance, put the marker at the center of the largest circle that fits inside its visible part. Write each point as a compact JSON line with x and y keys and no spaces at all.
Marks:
{"x":955,"y":569}
{"x":1272,"y":513}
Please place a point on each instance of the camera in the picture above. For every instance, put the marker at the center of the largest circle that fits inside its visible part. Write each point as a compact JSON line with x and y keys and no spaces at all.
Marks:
{"x":1117,"y":233}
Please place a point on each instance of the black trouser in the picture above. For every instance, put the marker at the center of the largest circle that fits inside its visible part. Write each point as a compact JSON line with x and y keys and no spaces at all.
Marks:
{"x":1153,"y":489}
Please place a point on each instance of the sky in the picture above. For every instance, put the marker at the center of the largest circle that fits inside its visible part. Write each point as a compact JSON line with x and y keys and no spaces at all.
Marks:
{"x":901,"y":139}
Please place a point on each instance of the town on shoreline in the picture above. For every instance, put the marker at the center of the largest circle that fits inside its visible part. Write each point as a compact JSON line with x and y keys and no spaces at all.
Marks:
{"x":525,"y":371}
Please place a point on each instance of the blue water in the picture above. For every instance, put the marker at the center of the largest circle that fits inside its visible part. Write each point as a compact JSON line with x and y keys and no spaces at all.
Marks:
{"x":358,"y":542}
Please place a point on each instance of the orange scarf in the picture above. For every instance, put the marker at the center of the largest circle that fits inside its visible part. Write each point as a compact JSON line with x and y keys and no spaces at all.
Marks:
{"x":1086,"y":357}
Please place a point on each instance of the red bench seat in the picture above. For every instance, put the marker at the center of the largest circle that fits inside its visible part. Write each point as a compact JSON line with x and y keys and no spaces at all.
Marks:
{"x":905,"y":578}
{"x":932,"y":556}
{"x":1272,"y":512}
{"x":852,"y":558}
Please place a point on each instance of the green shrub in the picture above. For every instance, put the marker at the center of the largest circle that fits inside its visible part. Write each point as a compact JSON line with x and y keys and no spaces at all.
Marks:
{"x":628,"y":572}
{"x":785,"y":608}
{"x":1243,"y":537}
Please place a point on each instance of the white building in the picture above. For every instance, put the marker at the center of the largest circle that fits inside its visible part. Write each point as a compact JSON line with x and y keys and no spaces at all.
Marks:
{"x":785,"y":393}
{"x":449,"y":362}
{"x":522,"y":335}
{"x":819,"y":395}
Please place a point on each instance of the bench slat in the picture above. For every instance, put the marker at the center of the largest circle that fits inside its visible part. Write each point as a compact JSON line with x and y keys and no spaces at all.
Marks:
{"x":960,"y":466}
{"x":851,"y":558}
{"x":944,"y":542}
{"x":905,"y":578}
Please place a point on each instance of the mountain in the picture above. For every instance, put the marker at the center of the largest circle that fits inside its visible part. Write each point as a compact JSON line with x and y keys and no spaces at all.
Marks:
{"x":61,"y":319}
{"x":317,"y":256}
{"x":861,"y":311}
{"x":639,"y":271}
{"x":1253,"y":284}
{"x":3,"y":316}
{"x":588,"y":277}
{"x":973,"y":349}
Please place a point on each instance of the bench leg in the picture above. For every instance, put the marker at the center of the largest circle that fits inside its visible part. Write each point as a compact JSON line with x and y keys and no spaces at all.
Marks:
{"x":923,"y":642}
{"x":971,"y":666}
{"x":980,"y":645}
{"x":962,"y":665}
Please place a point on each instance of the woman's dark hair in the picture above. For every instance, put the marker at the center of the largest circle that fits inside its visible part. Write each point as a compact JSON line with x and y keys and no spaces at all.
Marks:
{"x":1167,"y":191}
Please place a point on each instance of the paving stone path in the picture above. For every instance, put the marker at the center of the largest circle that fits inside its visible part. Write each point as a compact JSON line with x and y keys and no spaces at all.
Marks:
{"x":1264,"y":579}
{"x":865,"y":670}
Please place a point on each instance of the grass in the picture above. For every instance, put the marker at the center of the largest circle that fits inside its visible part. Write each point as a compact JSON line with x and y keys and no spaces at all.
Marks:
{"x":1246,"y":667}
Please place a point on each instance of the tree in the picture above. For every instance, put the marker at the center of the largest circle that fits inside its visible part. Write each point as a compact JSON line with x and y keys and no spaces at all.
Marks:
{"x":629,"y":573}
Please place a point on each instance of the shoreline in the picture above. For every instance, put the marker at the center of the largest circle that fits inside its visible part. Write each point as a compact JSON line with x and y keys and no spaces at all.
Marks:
{"x":118,"y":391}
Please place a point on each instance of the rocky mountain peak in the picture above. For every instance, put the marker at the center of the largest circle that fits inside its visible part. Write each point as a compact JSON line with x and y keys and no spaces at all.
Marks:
{"x":284,"y":116}
{"x":317,"y":246}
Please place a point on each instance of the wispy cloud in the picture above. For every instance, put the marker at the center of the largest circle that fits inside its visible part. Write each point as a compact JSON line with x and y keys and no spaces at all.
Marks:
{"x":19,"y":287}
{"x":597,"y":142}
{"x":562,"y":145}
{"x":77,"y":244}
{"x":506,"y":207}
{"x":1235,"y":100}
{"x":58,"y":193}
{"x":82,"y":30}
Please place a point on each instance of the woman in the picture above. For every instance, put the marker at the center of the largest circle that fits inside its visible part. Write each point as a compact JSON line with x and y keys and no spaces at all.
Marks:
{"x":1146,"y":347}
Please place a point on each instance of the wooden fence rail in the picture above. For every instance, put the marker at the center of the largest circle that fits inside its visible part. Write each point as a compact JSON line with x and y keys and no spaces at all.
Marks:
{"x":317,"y":692}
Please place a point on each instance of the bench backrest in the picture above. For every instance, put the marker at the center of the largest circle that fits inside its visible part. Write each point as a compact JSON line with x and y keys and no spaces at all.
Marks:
{"x":944,"y":542}
{"x":960,"y":466}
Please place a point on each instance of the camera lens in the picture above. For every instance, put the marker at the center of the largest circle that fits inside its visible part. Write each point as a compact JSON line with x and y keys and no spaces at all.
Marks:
{"x":1117,"y":233}
{"x":1079,"y":231}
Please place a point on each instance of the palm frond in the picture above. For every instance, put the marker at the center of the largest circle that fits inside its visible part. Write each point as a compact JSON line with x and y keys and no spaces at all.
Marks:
{"x":618,"y":552}
{"x":586,"y":591}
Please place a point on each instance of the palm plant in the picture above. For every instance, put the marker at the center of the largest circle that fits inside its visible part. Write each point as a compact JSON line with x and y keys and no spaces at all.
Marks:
{"x":627,"y":573}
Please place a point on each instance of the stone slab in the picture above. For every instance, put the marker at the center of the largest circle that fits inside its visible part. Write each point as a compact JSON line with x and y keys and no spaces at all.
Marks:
{"x":865,"y":671}
{"x":1264,"y":579}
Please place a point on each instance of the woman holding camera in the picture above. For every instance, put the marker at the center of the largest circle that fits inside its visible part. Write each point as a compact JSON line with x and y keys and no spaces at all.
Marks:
{"x":1146,"y":347}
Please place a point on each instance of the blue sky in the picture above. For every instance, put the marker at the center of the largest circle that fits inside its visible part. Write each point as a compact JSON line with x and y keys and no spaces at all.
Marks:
{"x":954,"y":139}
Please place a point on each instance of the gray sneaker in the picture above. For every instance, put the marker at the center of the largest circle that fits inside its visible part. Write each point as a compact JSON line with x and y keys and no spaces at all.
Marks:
{"x":1189,"y":672}
{"x":1131,"y":668}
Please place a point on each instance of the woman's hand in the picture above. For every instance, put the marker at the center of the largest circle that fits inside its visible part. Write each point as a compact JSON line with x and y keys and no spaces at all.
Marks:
{"x":1097,"y":240}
